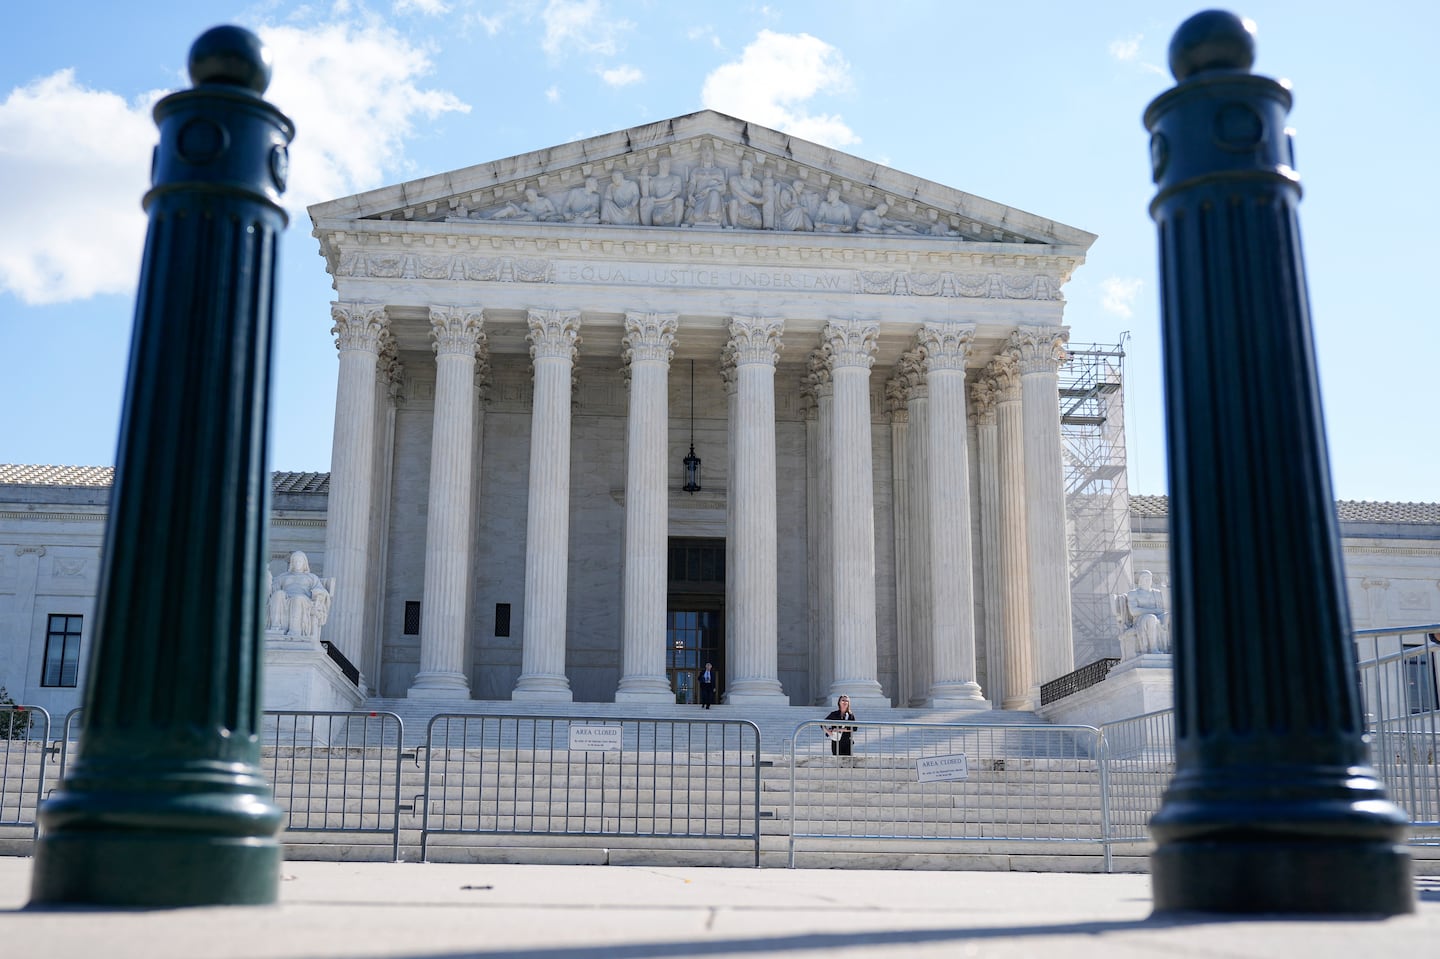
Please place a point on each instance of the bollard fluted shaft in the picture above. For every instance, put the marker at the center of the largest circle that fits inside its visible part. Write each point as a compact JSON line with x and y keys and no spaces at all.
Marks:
{"x":167,"y":804}
{"x":1273,"y":807}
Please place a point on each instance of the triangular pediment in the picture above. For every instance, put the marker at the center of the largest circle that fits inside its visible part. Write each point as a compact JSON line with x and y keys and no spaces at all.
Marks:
{"x":705,"y":171}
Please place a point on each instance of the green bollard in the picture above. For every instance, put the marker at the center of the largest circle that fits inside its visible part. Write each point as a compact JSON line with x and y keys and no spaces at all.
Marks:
{"x":167,"y":804}
{"x":1274,"y":807}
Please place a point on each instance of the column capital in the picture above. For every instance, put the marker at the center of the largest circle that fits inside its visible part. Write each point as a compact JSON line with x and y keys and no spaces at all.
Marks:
{"x":755,"y":339}
{"x":649,"y":337}
{"x":358,"y":326}
{"x":554,"y":334}
{"x":1004,"y":372}
{"x":905,"y":384}
{"x":1039,"y":349}
{"x":389,"y":371}
{"x":850,"y":344}
{"x":456,"y":330}
{"x":983,"y":399}
{"x":944,"y":346}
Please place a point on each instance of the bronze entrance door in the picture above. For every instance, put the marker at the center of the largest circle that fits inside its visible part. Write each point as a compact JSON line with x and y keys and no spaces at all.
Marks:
{"x":695,"y":616}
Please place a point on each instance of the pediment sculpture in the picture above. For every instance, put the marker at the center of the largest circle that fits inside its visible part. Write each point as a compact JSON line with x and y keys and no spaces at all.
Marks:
{"x":1144,"y":618}
{"x":298,"y":602}
{"x":708,"y":193}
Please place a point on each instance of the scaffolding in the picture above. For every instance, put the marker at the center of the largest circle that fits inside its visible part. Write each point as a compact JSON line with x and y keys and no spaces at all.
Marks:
{"x":1097,"y":495}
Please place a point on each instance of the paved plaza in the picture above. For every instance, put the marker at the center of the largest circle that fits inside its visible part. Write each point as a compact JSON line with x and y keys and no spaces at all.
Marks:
{"x":452,"y":911}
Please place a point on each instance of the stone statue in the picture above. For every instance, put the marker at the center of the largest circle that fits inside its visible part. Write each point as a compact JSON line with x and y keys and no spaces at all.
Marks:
{"x":535,"y":207}
{"x":1144,"y":621}
{"x":660,"y":201}
{"x":935,"y":226}
{"x":299,"y":601}
{"x":621,"y":203}
{"x":833,"y":214}
{"x":872,"y":221}
{"x":746,"y":198}
{"x":796,"y":206}
{"x":705,"y":192}
{"x":582,"y":203}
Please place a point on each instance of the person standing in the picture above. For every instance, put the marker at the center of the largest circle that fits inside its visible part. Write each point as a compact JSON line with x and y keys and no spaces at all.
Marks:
{"x":707,"y":686}
{"x":840,"y":735}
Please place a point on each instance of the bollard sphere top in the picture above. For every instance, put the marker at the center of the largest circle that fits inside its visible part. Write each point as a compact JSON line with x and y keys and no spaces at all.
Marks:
{"x":230,"y":55}
{"x":1212,"y":40}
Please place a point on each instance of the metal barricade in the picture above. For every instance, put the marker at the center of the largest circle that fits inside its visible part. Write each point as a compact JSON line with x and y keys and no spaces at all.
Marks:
{"x":1138,"y":762}
{"x":951,"y":781}
{"x":336,"y":772}
{"x":1399,"y":671}
{"x":557,"y":775}
{"x":24,"y":738}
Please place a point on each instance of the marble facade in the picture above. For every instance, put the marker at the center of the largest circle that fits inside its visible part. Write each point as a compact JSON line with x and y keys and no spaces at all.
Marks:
{"x":512,"y":414}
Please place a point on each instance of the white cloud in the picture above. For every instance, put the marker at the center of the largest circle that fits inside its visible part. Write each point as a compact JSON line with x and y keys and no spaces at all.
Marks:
{"x":77,"y":160}
{"x":622,"y":76}
{"x":553,"y":94}
{"x":76,"y":163}
{"x":774,"y":77}
{"x":1118,"y":294}
{"x":354,"y":94}
{"x":706,"y":32}
{"x":582,"y":25}
{"x":431,"y":8}
{"x":1127,"y":48}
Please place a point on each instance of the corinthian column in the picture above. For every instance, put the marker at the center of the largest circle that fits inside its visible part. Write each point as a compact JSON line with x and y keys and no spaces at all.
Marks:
{"x":912,"y":511}
{"x":1040,"y":350}
{"x":817,"y":514}
{"x":1021,"y":691}
{"x":987,"y":454}
{"x":554,"y":335}
{"x":754,"y":673}
{"x":851,"y":347}
{"x":648,"y":341}
{"x":944,"y":349}
{"x":456,"y":334}
{"x":359,"y":329}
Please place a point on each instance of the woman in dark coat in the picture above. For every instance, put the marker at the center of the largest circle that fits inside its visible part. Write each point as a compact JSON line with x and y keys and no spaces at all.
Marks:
{"x":840,"y":735}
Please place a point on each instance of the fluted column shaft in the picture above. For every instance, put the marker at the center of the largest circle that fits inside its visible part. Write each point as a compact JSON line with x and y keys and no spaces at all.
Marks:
{"x":358,"y":329}
{"x":648,"y":341}
{"x":754,"y":672}
{"x":1021,"y":688}
{"x":851,"y":346}
{"x":554,"y":335}
{"x":456,"y":334}
{"x":989,"y":631}
{"x":952,"y":601}
{"x":1040,"y":350}
{"x":918,"y":540}
{"x":818,"y":517}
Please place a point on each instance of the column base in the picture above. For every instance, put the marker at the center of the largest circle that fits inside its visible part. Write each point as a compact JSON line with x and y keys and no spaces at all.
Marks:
{"x":644,"y":689}
{"x":865,"y":694}
{"x":1022,"y":705}
{"x":1337,"y":878}
{"x":957,"y":696}
{"x":439,"y":685}
{"x":756,"y":692}
{"x":543,"y":689}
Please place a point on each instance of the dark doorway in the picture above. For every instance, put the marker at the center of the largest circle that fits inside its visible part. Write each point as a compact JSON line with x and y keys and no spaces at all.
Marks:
{"x":695,"y":615}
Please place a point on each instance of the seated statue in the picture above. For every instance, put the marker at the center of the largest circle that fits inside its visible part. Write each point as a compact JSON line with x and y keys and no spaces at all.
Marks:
{"x":299,"y":601}
{"x":1144,"y":621}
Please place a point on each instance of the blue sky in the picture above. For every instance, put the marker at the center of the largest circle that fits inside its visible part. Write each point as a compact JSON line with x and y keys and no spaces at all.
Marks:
{"x":1034,"y":105}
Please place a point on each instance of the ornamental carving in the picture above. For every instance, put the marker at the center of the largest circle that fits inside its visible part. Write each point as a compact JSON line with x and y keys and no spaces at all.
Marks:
{"x":649,"y":337}
{"x":358,"y":326}
{"x":1004,"y":373}
{"x":983,"y":399}
{"x":1039,"y":349}
{"x":454,"y":266}
{"x":701,"y":190}
{"x":908,"y":381}
{"x":756,"y":339}
{"x":456,"y":330}
{"x":554,"y":334}
{"x":851,"y":343}
{"x":944,"y":346}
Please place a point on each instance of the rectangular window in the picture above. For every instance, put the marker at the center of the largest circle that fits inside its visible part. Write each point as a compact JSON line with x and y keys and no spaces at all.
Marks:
{"x":502,"y":619}
{"x":62,"y":650}
{"x":412,"y":618}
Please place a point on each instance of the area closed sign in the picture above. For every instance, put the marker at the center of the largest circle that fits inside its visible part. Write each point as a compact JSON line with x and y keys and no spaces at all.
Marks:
{"x":930,"y":769}
{"x":595,"y":738}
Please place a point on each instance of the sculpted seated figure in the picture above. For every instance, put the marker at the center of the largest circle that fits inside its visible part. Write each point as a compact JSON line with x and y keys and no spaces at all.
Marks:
{"x":833,"y":215}
{"x":621,"y":201}
{"x":660,"y":201}
{"x":299,"y":601}
{"x":705,"y":192}
{"x":747,"y":200}
{"x":1143,"y":618}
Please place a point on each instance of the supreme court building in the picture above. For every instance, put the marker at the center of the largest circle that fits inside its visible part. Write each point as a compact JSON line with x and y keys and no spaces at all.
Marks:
{"x":863,"y":363}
